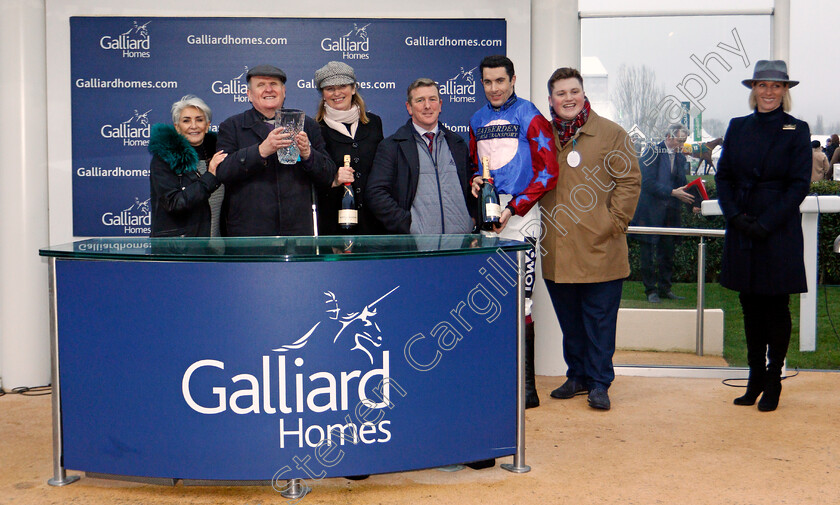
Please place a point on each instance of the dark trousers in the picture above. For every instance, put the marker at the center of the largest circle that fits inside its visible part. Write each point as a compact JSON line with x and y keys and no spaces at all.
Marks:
{"x":661,"y":254}
{"x":767,"y":329}
{"x":587,"y":315}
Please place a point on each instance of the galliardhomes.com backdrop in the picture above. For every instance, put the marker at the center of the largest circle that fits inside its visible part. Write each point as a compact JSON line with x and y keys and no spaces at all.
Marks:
{"x":126,"y":72}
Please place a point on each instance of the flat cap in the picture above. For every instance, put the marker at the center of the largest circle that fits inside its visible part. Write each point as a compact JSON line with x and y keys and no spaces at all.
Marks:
{"x":266,"y":71}
{"x":334,"y":73}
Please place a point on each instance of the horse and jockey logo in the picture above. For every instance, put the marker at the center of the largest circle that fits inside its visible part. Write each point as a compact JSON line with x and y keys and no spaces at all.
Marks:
{"x":139,"y":207}
{"x":140,"y":31}
{"x":367,"y":335}
{"x":460,"y":87}
{"x":133,"y":42}
{"x":138,"y":118}
{"x":136,"y":219}
{"x":358,"y":31}
{"x":465,"y":75}
{"x":134,"y":131}
{"x":353,"y":45}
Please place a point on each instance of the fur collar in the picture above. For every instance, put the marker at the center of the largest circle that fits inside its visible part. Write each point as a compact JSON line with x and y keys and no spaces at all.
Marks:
{"x":166,"y":143}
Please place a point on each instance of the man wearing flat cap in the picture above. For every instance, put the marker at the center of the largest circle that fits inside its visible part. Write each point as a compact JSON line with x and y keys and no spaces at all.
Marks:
{"x":262,"y":196}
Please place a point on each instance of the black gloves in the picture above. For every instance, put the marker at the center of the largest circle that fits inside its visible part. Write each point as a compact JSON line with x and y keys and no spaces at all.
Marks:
{"x":756,"y":232}
{"x":742,"y":222}
{"x":749,"y":225}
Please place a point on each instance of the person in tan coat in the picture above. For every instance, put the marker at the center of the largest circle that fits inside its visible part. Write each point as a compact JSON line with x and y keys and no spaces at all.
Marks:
{"x":819,"y":163}
{"x":584,"y":222}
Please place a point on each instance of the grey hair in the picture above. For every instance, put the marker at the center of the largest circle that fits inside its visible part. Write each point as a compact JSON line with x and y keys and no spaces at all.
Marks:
{"x":419,"y":83}
{"x":190,"y":101}
{"x":674,"y":129}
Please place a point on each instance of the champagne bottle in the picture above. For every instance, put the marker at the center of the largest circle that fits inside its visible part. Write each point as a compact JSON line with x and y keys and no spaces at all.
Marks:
{"x":488,"y":199}
{"x":348,"y":215}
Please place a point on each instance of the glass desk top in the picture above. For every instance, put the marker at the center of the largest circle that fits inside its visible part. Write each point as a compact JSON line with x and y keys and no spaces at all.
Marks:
{"x":325,"y":248}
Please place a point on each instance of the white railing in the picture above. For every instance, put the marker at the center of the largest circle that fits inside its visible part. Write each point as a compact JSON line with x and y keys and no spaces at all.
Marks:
{"x":702,"y":233}
{"x":811,"y":209}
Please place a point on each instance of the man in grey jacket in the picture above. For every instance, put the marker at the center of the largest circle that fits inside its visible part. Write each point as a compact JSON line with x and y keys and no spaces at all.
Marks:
{"x":419,"y":180}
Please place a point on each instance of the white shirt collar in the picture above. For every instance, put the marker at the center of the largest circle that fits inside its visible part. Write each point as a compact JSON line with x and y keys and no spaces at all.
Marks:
{"x":422,"y":131}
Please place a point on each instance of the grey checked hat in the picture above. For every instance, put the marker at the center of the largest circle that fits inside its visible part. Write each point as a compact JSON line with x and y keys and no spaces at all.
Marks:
{"x":769,"y":70}
{"x":334,"y":73}
{"x":267,"y":71}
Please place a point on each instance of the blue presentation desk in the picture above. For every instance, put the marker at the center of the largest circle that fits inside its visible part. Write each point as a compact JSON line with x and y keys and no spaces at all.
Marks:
{"x":284,"y":358}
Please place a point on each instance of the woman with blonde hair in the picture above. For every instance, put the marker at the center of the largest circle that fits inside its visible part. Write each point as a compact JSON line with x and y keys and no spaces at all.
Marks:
{"x":762,"y":177}
{"x":348,"y":129}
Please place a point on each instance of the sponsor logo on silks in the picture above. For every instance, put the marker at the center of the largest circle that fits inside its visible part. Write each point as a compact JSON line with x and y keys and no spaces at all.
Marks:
{"x":460,"y":87}
{"x":353,"y":45}
{"x":235,"y":87}
{"x":497,"y":129}
{"x":363,"y":339}
{"x":134,"y":220}
{"x":133,"y":132}
{"x":499,"y":140}
{"x":133,"y":43}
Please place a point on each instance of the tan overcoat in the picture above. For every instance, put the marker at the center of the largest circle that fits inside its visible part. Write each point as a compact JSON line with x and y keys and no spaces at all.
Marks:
{"x":585,"y":218}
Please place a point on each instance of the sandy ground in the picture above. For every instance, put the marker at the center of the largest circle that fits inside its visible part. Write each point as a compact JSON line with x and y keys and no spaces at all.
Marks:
{"x":665,"y":441}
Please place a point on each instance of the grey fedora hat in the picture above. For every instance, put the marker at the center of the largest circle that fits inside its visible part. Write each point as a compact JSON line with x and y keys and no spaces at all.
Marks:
{"x":770,"y":70}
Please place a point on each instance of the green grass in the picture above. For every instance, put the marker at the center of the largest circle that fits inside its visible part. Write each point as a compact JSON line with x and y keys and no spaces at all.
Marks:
{"x":826,"y":357}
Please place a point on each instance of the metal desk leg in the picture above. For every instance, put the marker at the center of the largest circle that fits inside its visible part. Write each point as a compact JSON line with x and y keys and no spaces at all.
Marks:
{"x":60,"y":477}
{"x":519,"y":465}
{"x":295,"y":489}
{"x":701,"y":295}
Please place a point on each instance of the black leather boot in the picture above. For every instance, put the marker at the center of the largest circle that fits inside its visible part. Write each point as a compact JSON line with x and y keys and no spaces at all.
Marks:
{"x":772,"y":389}
{"x":779,"y":327}
{"x":531,"y":398}
{"x":755,"y":386}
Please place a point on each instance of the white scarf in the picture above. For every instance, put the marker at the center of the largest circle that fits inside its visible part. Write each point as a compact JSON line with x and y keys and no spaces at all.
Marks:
{"x":337,"y":119}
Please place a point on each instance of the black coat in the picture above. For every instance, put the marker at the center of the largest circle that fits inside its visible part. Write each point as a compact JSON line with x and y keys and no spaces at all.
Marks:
{"x":764,"y":172}
{"x":655,"y":200}
{"x":263,"y":197}
{"x":361,"y":150}
{"x":179,"y":195}
{"x":396,"y":171}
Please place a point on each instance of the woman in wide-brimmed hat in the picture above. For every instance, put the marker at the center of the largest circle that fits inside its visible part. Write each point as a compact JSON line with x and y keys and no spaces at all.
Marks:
{"x":763,"y":175}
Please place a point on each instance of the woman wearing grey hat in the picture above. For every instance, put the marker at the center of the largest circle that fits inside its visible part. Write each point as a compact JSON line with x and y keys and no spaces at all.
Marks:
{"x":348,"y":129}
{"x":763,"y":175}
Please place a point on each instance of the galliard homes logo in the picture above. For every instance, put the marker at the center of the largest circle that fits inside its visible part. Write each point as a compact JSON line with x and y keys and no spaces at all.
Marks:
{"x":367,"y":336}
{"x":284,"y":389}
{"x":132,"y":132}
{"x":235,"y":87}
{"x":136,"y":219}
{"x":133,"y":43}
{"x":353,"y":45}
{"x":460,"y":88}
